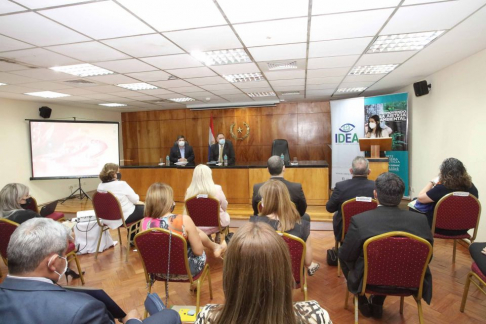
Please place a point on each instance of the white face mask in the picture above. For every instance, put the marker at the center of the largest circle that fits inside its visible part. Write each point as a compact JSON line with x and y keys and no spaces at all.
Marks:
{"x":65,"y":268}
{"x":221,"y":141}
{"x":182,"y":143}
{"x":372,"y":125}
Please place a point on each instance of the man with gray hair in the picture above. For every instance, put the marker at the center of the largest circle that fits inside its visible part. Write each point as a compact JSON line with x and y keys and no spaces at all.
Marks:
{"x":357,"y":186}
{"x":36,"y":262}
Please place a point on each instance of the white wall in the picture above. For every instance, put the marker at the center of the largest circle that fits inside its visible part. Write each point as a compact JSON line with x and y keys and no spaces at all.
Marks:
{"x":15,"y":163}
{"x":451,"y":122}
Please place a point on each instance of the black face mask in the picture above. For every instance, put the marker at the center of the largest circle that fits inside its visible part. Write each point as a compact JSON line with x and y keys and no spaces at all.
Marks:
{"x":28,"y":201}
{"x":118,"y":176}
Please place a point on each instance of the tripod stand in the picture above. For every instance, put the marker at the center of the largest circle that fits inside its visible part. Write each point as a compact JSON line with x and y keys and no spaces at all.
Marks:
{"x":82,"y":193}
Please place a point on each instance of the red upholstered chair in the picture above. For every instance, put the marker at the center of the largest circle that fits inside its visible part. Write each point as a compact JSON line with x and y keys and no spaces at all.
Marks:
{"x":107,"y":207}
{"x":457,"y":211}
{"x":481,"y":283}
{"x":204,"y":212}
{"x":398,"y":261}
{"x":71,"y":255}
{"x":297,"y":257}
{"x":57,"y":216}
{"x":7,"y":227}
{"x":154,"y":246}
{"x":350,"y":208}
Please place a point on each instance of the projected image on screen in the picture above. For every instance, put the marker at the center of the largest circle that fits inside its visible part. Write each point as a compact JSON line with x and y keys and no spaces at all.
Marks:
{"x":72,"y":149}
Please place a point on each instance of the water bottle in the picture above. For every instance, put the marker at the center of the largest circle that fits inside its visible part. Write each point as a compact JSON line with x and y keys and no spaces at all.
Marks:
{"x":167,"y":160}
{"x":282,"y":157}
{"x":225,"y":163}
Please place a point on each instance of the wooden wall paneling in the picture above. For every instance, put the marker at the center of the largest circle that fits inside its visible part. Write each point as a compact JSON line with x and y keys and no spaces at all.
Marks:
{"x":279,"y":127}
{"x":234,"y":183}
{"x":130,"y":157}
{"x":148,"y":134}
{"x":164,"y":151}
{"x":314,"y":107}
{"x":150,"y":155}
{"x":314,"y":128}
{"x":280,"y":109}
{"x":256,"y":176}
{"x":197,"y":131}
{"x":315,"y":183}
{"x":169,"y":130}
{"x":130,"y":135}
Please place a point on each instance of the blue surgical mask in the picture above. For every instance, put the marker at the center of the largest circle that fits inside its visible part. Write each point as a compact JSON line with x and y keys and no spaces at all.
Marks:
{"x":221,"y":141}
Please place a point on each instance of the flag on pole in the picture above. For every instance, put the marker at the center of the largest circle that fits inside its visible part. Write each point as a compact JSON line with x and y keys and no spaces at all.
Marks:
{"x":211,"y":139}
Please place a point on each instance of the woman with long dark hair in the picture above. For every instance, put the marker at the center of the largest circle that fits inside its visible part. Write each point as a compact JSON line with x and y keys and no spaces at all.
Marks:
{"x":374,"y":129}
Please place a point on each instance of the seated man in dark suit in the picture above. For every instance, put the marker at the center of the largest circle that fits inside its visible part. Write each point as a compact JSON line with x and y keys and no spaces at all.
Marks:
{"x":181,"y":151}
{"x":386,"y":218}
{"x":357,"y":186}
{"x":36,"y":261}
{"x":221,"y":148}
{"x":276,"y":168}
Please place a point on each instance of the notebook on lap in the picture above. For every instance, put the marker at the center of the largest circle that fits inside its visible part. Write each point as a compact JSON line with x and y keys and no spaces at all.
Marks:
{"x":48,"y":209}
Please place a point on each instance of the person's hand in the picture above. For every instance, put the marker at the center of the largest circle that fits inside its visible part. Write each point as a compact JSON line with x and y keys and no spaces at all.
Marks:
{"x":133,"y":314}
{"x":435,"y":181}
{"x":140,"y":203}
{"x":182,"y":160}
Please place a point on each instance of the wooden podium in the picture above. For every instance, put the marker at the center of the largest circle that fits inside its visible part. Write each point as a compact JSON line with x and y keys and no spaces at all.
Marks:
{"x":377,"y":164}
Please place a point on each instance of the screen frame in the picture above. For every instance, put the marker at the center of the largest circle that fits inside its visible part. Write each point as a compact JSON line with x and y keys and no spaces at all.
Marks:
{"x":72,"y":122}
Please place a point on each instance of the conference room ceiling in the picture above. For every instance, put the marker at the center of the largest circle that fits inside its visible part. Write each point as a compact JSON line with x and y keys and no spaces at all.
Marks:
{"x":297,"y":50}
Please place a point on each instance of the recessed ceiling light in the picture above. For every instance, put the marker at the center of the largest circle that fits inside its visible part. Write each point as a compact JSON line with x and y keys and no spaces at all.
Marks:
{"x":222,"y":57}
{"x":403,"y":42}
{"x":290,"y":93}
{"x":344,"y":90}
{"x":47,"y":94}
{"x":244,"y":77}
{"x":137,"y":86}
{"x":373,"y":69}
{"x":113,"y":104}
{"x":82,"y":70}
{"x":185,"y":99}
{"x":282,"y":65}
{"x":2,"y":84}
{"x":261,"y":94}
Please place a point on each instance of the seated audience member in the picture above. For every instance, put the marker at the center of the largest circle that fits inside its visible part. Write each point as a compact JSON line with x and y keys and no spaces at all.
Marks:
{"x":130,"y":203}
{"x":357,"y":186}
{"x":12,"y":197}
{"x":478,"y":254}
{"x":276,"y":168}
{"x":386,"y":218}
{"x":181,"y":151}
{"x":452,"y":177}
{"x":221,"y":148}
{"x":257,"y":283}
{"x":202,"y":183}
{"x":29,"y":294}
{"x":159,"y":204}
{"x":279,"y":212}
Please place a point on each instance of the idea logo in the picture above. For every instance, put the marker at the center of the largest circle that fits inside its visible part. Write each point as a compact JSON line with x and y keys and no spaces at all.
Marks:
{"x":346,"y":136}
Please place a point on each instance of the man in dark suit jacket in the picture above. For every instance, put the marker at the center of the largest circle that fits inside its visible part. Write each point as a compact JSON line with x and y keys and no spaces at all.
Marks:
{"x":37,"y":260}
{"x":357,"y":186}
{"x":276,"y":168}
{"x":386,"y":218}
{"x":227,"y":150}
{"x":181,"y":151}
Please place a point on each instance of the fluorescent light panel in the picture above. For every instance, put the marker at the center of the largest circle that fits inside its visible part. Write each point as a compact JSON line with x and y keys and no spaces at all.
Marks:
{"x":113,"y":104}
{"x":261,"y":94}
{"x":373,"y":69}
{"x":290,"y":93}
{"x":346,"y":90}
{"x":47,"y":94}
{"x":137,"y":86}
{"x":403,"y":42}
{"x":82,"y":70}
{"x":282,"y":66}
{"x":244,"y":77}
{"x":185,"y":99}
{"x":222,"y":57}
{"x":2,"y":84}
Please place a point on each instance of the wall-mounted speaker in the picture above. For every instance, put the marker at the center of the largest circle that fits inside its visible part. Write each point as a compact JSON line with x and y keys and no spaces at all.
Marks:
{"x":45,"y":112}
{"x":421,"y":88}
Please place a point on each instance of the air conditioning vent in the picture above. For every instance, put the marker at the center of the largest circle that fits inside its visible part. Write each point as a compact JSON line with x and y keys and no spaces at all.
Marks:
{"x":290,"y":93}
{"x":173,"y":77}
{"x":80,"y":81}
{"x":282,"y":65}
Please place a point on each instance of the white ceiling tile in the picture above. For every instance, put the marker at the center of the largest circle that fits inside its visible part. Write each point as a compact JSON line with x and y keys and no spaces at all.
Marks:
{"x":173,"y":61}
{"x":361,"y":78}
{"x":73,"y":98}
{"x":209,"y":80}
{"x":143,"y":46}
{"x":252,"y":84}
{"x":150,"y":76}
{"x":8,"y":7}
{"x":436,"y":16}
{"x":317,"y":93}
{"x":197,"y":95}
{"x":273,"y":32}
{"x":412,"y":2}
{"x":34,"y":29}
{"x":47,"y":86}
{"x":221,"y":87}
{"x":188,"y":89}
{"x":5,"y":67}
{"x":283,"y":75}
{"x":339,"y":47}
{"x":291,"y":82}
{"x":40,"y":57}
{"x":89,"y":52}
{"x":105,"y":89}
{"x":324,"y":80}
{"x":323,"y":73}
{"x":9,"y":78}
{"x":204,"y":39}
{"x":289,"y":88}
{"x":43,"y":74}
{"x":236,"y":68}
{"x":37,"y":4}
{"x":327,"y":7}
{"x":171,"y":84}
{"x":102,"y":96}
{"x":154,"y":92}
{"x":192,"y":72}
{"x":9,"y":44}
{"x":146,"y":97}
{"x":356,"y":84}
{"x":78,"y":91}
{"x":250,"y":90}
{"x":279,"y":52}
{"x":242,"y":97}
{"x":171,"y":15}
{"x":256,"y":10}
{"x":225,"y":92}
{"x":331,"y":62}
{"x":264,"y":66}
{"x":385,"y":58}
{"x":351,"y":25}
{"x":125,"y":66}
{"x":112,"y":79}
{"x":167,"y":96}
{"x":322,"y":86}
{"x":292,"y":98}
{"x":15,"y":88}
{"x":99,"y":20}
{"x":130,"y":94}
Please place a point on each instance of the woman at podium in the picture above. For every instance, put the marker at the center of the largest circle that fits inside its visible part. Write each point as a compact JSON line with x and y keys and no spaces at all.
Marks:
{"x":374,"y":130}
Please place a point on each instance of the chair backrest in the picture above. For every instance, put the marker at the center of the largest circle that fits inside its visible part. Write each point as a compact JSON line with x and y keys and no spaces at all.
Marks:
{"x":153,"y":247}
{"x":7,"y":227}
{"x":353,"y":207}
{"x":107,"y":206}
{"x":32,"y":205}
{"x":297,"y":255}
{"x":280,"y":146}
{"x":457,"y":211}
{"x":204,"y":210}
{"x":396,"y":260}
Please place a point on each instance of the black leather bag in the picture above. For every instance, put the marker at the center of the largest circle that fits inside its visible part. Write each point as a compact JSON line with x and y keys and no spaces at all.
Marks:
{"x":332,"y":258}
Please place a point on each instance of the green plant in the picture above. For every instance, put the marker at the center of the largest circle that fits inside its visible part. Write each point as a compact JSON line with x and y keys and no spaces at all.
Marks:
{"x":396,"y":143}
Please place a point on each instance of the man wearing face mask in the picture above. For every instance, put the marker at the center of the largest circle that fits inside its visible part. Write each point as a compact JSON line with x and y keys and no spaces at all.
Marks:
{"x":37,"y":260}
{"x":221,"y":148}
{"x":181,"y":151}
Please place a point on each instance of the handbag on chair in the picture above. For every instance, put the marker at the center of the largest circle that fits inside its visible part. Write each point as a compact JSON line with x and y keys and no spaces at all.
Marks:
{"x":332,"y":257}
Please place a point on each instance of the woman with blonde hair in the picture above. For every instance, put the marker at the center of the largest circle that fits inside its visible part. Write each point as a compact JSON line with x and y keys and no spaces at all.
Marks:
{"x":279,"y":212}
{"x":12,"y":197}
{"x":258,"y":283}
{"x":202,"y":183}
{"x":159,"y":205}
